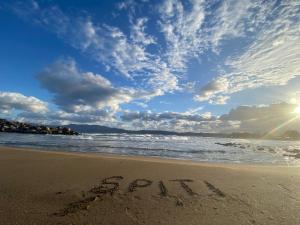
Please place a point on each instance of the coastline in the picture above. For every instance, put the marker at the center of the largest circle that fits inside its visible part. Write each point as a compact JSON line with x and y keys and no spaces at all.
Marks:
{"x":156,"y":159}
{"x":200,"y":150}
{"x":51,"y":187}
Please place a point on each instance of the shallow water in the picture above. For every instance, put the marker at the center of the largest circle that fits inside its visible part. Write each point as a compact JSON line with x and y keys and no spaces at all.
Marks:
{"x":193,"y":148}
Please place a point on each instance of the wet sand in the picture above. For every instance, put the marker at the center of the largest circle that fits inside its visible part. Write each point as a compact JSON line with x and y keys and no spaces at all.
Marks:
{"x":40,"y":187}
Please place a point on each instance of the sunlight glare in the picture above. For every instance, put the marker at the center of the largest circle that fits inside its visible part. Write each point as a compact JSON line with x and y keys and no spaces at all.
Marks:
{"x":297,"y":109}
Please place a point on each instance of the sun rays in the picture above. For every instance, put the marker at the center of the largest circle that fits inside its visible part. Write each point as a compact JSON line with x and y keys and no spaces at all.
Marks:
{"x":297,"y":109}
{"x":282,"y":125}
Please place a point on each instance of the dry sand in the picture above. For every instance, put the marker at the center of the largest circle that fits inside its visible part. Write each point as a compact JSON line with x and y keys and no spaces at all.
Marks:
{"x":39,"y":188}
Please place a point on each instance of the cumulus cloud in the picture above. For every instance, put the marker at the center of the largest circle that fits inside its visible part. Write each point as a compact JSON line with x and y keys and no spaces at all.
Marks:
{"x":102,"y":117}
{"x":150,"y":116}
{"x":174,"y":121}
{"x":15,"y":101}
{"x":76,"y":91}
{"x":265,"y":118}
{"x":274,"y":118}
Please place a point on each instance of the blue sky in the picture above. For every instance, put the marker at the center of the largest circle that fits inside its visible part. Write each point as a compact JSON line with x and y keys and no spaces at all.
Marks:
{"x":174,"y":65}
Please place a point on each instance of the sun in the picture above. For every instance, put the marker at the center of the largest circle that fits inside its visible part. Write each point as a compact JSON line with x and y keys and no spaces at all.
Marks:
{"x":297,"y":109}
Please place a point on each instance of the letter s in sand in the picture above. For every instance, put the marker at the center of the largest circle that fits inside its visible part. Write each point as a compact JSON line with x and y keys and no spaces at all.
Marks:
{"x":109,"y":185}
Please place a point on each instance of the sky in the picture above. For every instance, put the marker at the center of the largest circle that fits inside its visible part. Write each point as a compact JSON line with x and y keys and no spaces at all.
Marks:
{"x":201,"y":66}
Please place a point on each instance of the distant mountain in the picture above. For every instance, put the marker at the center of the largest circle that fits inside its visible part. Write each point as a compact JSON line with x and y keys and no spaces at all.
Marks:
{"x":82,"y":128}
{"x":291,"y":134}
{"x":75,"y":129}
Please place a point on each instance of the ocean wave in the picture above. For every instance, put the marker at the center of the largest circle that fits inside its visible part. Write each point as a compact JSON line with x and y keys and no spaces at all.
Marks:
{"x":195,"y":148}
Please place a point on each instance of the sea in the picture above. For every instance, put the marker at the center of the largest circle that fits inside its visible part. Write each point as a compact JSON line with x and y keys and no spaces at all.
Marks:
{"x":200,"y":149}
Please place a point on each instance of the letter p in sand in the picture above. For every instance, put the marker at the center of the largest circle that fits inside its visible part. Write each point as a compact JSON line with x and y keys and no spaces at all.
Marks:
{"x":139,"y":183}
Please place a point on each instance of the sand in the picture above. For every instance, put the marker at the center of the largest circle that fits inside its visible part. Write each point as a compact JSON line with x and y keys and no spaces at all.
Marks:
{"x":44,"y":187}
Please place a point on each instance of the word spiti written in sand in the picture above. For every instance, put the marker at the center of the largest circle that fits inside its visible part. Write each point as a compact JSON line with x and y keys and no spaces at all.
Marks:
{"x":111,"y":185}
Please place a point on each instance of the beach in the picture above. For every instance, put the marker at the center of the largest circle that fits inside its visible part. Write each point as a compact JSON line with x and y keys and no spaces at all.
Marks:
{"x":47,"y":187}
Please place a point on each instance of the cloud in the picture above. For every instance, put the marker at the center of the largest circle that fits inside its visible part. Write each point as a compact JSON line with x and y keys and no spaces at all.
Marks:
{"x":124,"y":53}
{"x":76,"y":91}
{"x":219,"y":100}
{"x":236,"y":19}
{"x":271,"y":60}
{"x":182,"y":31}
{"x":154,"y":54}
{"x":102,"y":117}
{"x":128,"y":4}
{"x":15,"y":101}
{"x":138,"y":34}
{"x":192,"y":28}
{"x":150,"y":116}
{"x":276,"y":117}
{"x":189,"y":30}
{"x":214,"y":87}
{"x":174,"y":121}
{"x":265,"y":118}
{"x":195,"y":110}
{"x":141,"y":104}
{"x":244,"y":113}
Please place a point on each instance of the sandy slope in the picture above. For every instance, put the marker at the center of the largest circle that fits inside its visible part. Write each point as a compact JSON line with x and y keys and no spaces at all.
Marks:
{"x":59,"y":188}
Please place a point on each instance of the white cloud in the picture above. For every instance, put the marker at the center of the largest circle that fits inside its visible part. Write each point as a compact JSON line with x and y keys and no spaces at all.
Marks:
{"x":271,"y":60}
{"x":233,"y":19}
{"x":101,"y":117}
{"x":274,"y":58}
{"x":151,"y":116}
{"x":138,"y":34}
{"x":207,"y":115}
{"x":189,"y":29}
{"x":195,"y":110}
{"x":76,"y":91}
{"x":124,"y":53}
{"x":182,"y":31}
{"x":141,"y":104}
{"x":15,"y":101}
{"x":219,"y":100}
{"x":174,"y":121}
{"x":128,"y":4}
{"x":269,"y":34}
{"x":219,"y":85}
{"x":275,"y":118}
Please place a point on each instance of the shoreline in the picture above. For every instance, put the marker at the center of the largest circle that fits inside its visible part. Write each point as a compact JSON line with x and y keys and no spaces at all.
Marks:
{"x":50,"y":188}
{"x":157,"y":159}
